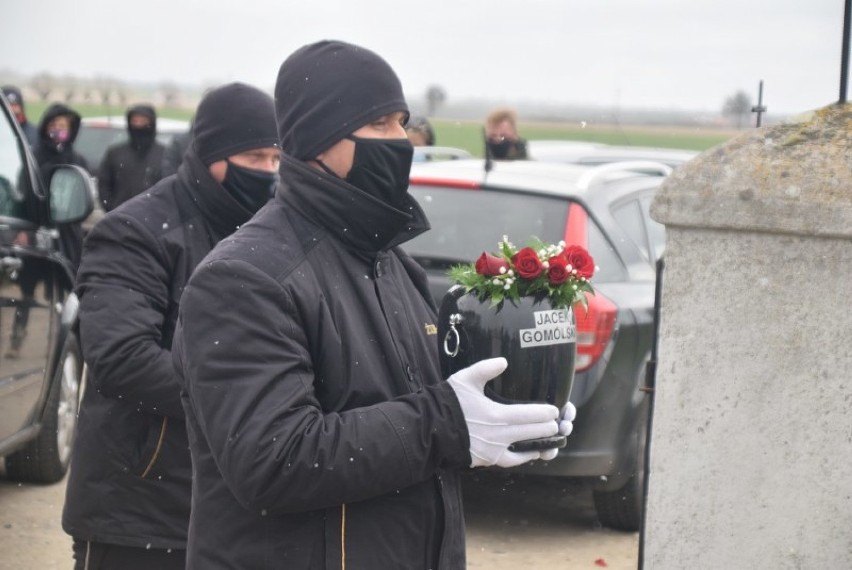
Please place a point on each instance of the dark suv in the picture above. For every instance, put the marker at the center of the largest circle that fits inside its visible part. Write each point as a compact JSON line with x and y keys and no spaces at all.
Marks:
{"x":41,"y":367}
{"x":605,"y":210}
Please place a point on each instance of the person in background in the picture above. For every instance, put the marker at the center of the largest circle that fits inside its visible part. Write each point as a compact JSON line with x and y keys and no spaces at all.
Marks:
{"x":502,"y":141}
{"x":57,"y":132}
{"x":131,"y":167}
{"x":16,"y":103}
{"x":322,"y":432}
{"x":127,"y":503}
{"x":420,"y":131}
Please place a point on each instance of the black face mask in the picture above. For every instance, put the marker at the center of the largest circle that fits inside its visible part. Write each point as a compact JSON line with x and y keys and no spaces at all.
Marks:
{"x":506,"y":149}
{"x":141,"y":139}
{"x":381,"y":168}
{"x":251,"y":188}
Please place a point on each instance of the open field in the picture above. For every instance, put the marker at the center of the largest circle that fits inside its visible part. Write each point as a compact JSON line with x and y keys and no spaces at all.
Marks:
{"x":468,"y":134}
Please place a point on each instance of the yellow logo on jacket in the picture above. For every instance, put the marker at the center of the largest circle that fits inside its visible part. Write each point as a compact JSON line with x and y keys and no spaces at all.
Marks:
{"x":430,"y":329}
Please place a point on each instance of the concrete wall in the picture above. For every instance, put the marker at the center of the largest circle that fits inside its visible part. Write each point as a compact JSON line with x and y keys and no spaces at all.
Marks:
{"x":751,"y":458}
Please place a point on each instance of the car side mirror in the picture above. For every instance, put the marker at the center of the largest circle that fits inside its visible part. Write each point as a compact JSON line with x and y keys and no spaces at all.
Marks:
{"x":70,"y":194}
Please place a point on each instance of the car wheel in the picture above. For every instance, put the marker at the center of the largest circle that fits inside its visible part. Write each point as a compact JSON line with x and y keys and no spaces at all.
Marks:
{"x":621,"y":509}
{"x":46,"y":458}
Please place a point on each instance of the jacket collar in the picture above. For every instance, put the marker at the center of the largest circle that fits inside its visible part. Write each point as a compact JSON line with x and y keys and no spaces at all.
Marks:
{"x":365,"y":223}
{"x":223,"y":213}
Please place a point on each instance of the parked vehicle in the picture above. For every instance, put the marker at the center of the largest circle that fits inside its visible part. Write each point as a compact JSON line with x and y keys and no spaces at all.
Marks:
{"x":604,"y":209}
{"x":430,"y":153}
{"x":577,"y":152}
{"x":41,"y":366}
{"x":97,"y":134}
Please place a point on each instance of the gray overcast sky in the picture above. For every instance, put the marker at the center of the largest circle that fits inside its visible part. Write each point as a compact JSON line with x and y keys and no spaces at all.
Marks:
{"x":684,"y":54}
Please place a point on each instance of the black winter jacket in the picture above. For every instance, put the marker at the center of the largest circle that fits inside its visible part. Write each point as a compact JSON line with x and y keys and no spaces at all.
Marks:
{"x":126,"y":172}
{"x":131,"y":475}
{"x":322,"y":433}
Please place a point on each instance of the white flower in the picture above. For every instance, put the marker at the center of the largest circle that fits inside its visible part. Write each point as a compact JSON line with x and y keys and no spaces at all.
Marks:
{"x":496,"y":281}
{"x":502,"y":270}
{"x":545,"y":264}
{"x":562,"y":244}
{"x":511,"y":273}
{"x":507,"y":286}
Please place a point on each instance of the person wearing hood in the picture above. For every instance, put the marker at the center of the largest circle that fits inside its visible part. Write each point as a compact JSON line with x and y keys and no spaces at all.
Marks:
{"x":322,"y":432}
{"x":57,"y":132}
{"x":16,"y":103}
{"x":132,"y":166}
{"x":127,"y":501}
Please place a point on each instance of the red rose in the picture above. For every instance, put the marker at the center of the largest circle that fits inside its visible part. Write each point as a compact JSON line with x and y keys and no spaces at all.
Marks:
{"x":557,"y":272}
{"x":527,"y":263}
{"x":578,"y":258}
{"x":490,"y":265}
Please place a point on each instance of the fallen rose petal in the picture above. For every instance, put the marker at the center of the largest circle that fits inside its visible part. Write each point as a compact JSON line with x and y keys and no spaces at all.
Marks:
{"x":601,"y":562}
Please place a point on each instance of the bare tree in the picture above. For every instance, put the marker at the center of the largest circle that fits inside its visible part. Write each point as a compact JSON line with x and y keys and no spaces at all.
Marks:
{"x":69,"y":88}
{"x":43,"y":84}
{"x":737,"y":107}
{"x":170,"y":92}
{"x":102,"y":85}
{"x":435,"y":97}
{"x":121,"y":93}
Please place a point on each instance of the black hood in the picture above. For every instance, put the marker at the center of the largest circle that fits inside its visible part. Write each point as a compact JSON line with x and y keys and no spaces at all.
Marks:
{"x":54,"y":111}
{"x":145,"y":110}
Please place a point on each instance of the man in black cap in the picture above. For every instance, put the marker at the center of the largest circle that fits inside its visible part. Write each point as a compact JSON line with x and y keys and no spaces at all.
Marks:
{"x":132,"y":166}
{"x":128,"y":497}
{"x":322,"y":433}
{"x":16,"y":104}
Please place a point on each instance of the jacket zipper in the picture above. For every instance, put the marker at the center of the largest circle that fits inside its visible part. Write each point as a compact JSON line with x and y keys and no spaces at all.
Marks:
{"x":158,"y":448}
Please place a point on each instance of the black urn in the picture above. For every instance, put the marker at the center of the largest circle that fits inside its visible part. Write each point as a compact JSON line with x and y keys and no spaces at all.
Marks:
{"x":538,"y":341}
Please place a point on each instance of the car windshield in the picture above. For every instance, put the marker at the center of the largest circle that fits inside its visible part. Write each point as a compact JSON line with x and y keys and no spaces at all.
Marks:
{"x":92,"y":142}
{"x":467,"y":222}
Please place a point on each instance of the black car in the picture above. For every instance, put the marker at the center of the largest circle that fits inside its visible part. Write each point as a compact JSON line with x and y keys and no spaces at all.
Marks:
{"x":41,"y":367}
{"x":605,"y":210}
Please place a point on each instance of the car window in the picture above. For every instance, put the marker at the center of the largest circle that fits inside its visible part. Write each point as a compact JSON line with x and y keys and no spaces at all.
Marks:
{"x":467,"y":222}
{"x":629,"y":217}
{"x":14,"y":178}
{"x":92,"y":142}
{"x":609,"y":267}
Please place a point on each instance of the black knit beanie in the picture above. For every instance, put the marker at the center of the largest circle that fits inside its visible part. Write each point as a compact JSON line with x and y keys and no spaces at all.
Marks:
{"x":328,"y":90}
{"x":232,"y":119}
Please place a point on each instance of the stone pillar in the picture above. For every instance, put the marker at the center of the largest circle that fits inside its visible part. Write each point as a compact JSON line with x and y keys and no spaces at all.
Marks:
{"x":751,"y":457}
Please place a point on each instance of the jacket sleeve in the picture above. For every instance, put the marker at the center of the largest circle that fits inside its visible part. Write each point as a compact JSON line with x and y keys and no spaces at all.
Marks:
{"x":123,"y":284}
{"x":249,"y":379}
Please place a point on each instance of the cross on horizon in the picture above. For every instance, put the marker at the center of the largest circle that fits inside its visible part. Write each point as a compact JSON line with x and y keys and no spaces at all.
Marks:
{"x":760,"y":108}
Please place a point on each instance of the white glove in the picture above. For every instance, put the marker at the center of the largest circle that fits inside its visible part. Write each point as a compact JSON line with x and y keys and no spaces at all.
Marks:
{"x":493,"y":426}
{"x":566,"y":426}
